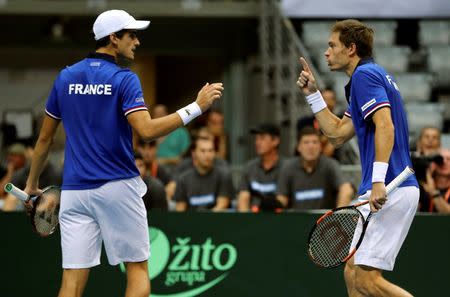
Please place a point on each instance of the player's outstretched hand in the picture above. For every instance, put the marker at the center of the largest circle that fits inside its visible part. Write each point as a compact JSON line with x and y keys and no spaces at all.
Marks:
{"x":306,"y":80}
{"x":208,"y":94}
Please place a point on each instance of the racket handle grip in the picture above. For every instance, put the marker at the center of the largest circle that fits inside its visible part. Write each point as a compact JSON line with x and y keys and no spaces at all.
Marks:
{"x":12,"y":189}
{"x":397,"y":181}
{"x":407,"y":172}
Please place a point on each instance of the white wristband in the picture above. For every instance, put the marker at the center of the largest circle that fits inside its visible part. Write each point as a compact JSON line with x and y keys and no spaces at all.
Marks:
{"x":189,"y":112}
{"x":316,"y":102}
{"x":379,"y":172}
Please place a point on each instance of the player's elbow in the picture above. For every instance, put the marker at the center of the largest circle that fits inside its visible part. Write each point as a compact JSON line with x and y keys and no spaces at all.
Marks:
{"x":146,"y":132}
{"x":146,"y":135}
{"x":143,"y":125}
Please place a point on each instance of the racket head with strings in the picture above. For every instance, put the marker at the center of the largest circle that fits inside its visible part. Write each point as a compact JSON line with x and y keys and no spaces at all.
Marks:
{"x":45,"y":212}
{"x":45,"y":207}
{"x":330,"y":239}
{"x":336,"y":235}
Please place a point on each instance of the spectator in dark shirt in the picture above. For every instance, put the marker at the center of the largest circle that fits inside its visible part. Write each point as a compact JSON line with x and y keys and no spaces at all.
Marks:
{"x":205,"y":186}
{"x":258,"y":186}
{"x":312,"y":180}
{"x":155,"y":198}
{"x":51,"y":175}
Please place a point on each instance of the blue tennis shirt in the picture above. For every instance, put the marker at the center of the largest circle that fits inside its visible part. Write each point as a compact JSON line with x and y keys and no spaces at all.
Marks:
{"x":371,"y":88}
{"x":93,"y":98}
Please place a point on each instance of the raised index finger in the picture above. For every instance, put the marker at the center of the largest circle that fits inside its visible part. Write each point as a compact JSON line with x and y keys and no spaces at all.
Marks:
{"x":305,"y":65}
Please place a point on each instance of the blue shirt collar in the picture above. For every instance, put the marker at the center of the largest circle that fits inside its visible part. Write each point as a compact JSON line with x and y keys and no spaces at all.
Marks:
{"x":363,"y":61}
{"x":106,"y":57}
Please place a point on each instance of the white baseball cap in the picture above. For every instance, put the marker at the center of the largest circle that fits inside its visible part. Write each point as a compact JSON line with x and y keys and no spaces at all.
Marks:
{"x":115,"y":20}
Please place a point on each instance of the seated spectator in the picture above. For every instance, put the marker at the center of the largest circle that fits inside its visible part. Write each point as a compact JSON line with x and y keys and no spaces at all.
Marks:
{"x":155,"y":198}
{"x":428,"y":142}
{"x":205,"y":186}
{"x":312,"y":180}
{"x":437,"y":186}
{"x":215,"y":124}
{"x":16,"y":158}
{"x":172,"y":146}
{"x":426,"y":155}
{"x":51,"y":175}
{"x":187,"y":162}
{"x":258,"y":186}
{"x":344,"y":154}
{"x":148,"y":151}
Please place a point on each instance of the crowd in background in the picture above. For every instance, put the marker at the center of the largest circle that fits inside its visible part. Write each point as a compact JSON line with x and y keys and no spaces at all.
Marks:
{"x":188,"y":170}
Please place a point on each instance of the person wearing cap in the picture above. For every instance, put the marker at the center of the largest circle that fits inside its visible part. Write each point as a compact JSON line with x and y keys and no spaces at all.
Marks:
{"x":258,"y":185}
{"x":312,"y":181}
{"x":101,"y":104}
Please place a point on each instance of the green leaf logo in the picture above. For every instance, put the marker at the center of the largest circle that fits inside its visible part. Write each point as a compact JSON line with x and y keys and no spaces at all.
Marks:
{"x":160,"y":244}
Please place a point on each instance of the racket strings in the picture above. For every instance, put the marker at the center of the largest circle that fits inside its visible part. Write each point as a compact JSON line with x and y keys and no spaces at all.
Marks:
{"x":47,"y":212}
{"x":331,"y":240}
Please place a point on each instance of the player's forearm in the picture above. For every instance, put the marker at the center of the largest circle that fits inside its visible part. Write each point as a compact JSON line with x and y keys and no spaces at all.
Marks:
{"x":40,"y":155}
{"x":334,"y":128}
{"x":155,"y":128}
{"x":328,"y":122}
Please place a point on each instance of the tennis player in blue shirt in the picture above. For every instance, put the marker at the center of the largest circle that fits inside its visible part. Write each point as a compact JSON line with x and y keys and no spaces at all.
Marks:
{"x":377,"y":117}
{"x":99,"y":104}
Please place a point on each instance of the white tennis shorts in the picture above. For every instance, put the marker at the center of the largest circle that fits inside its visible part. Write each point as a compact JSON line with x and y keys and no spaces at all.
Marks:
{"x":387,"y":229}
{"x":113,"y":213}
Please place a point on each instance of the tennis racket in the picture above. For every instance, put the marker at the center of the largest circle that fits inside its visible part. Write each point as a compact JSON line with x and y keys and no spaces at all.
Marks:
{"x":331,"y":237}
{"x":45,"y":210}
